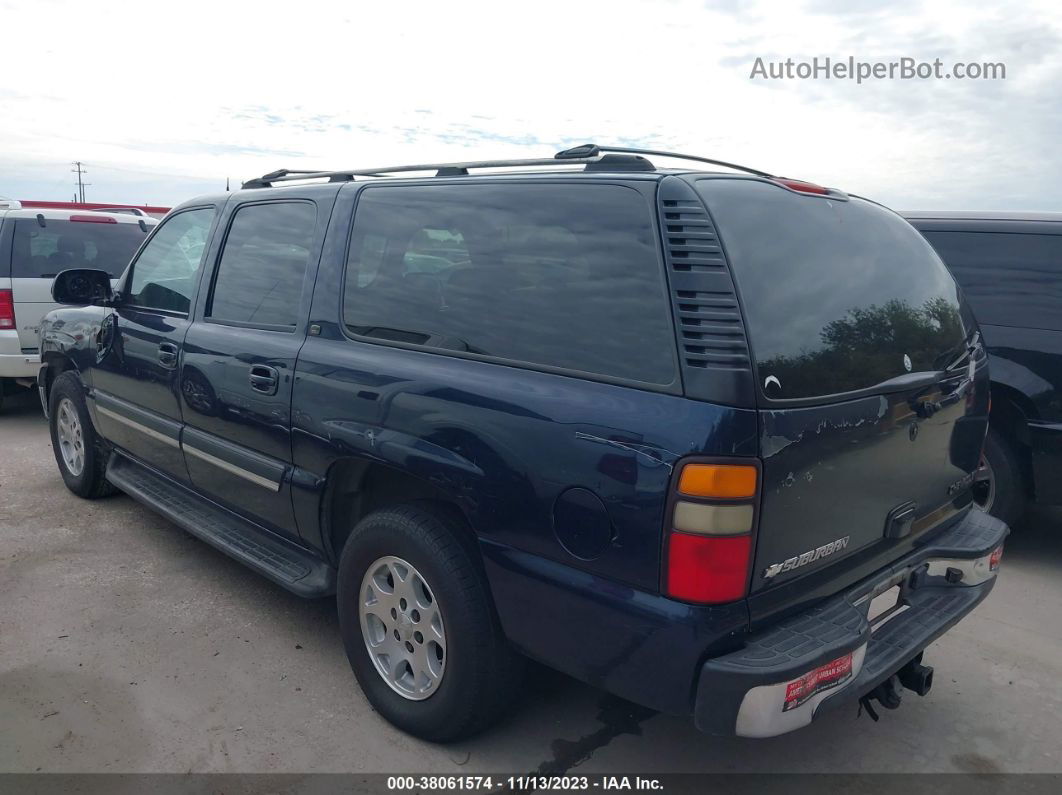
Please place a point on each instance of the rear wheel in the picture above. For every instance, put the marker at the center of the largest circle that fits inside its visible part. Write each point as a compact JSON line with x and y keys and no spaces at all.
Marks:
{"x":419,"y":626}
{"x":79,"y":450}
{"x":999,"y":485}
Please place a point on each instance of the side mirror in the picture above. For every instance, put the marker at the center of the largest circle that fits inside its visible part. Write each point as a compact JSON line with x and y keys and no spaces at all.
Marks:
{"x":80,"y":286}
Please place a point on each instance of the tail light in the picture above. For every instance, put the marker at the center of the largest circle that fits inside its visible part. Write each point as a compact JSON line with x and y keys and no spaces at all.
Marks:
{"x":995,"y":558}
{"x":7,"y":309}
{"x":709,"y":541}
{"x":92,"y":219}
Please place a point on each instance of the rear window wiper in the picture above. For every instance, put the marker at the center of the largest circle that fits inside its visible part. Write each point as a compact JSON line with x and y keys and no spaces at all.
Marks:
{"x":906,"y":381}
{"x":430,"y":339}
{"x":929,"y":378}
{"x":969,"y":345}
{"x":973,"y":343}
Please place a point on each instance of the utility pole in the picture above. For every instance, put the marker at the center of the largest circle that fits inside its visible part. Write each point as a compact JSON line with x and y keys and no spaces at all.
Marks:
{"x":80,"y":184}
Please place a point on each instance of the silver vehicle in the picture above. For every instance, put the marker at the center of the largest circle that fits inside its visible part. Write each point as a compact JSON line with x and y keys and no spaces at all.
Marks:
{"x":35,"y":245}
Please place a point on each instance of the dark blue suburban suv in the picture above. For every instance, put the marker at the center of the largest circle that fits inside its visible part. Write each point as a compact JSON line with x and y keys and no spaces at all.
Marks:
{"x":704,"y":439}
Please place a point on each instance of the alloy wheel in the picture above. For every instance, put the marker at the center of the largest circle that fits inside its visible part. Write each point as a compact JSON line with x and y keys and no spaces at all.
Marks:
{"x":402,"y":626}
{"x":71,"y":439}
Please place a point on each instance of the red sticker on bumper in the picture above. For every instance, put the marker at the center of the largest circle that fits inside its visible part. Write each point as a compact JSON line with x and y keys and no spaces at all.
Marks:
{"x":827,"y":676}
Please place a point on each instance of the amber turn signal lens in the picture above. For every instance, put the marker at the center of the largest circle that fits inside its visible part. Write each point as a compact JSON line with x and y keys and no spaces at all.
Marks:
{"x":718,"y":480}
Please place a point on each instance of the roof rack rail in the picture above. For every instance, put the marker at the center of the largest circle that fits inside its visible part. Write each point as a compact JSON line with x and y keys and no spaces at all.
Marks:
{"x":587,"y":150}
{"x":441,"y":169}
{"x":593,"y":157}
{"x":121,"y":211}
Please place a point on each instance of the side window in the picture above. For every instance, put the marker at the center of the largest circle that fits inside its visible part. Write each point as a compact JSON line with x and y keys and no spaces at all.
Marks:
{"x":164,"y":274}
{"x":435,"y":251}
{"x":263,"y":264}
{"x":565,"y":276}
{"x":1010,"y":279}
{"x":369,"y":258}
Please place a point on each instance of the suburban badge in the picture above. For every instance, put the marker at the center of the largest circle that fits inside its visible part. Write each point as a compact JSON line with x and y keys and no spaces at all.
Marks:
{"x":808,"y":557}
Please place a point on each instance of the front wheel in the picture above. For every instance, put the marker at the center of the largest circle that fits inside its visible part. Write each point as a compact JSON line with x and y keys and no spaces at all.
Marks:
{"x":419,"y":625}
{"x":79,"y":450}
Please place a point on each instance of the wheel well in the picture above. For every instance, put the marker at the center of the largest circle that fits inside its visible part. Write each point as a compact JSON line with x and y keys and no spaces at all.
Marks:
{"x":356,"y":488}
{"x":1011,"y":411}
{"x":57,"y":364}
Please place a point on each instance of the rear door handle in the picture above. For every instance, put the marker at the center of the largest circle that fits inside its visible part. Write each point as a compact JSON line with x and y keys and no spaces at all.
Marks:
{"x":168,"y":355}
{"x":264,"y":379}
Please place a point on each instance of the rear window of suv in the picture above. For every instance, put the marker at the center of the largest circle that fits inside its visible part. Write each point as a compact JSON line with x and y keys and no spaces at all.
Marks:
{"x":43,"y":251}
{"x":562,"y":276}
{"x":835,"y":293}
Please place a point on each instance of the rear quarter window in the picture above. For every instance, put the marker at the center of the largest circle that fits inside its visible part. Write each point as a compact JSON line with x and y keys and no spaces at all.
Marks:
{"x":43,"y":251}
{"x":835,"y":293}
{"x":563,"y":276}
{"x":1010,"y":279}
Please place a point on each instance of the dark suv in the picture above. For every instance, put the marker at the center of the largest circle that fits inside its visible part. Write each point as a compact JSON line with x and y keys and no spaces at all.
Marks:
{"x":703,"y":439}
{"x":1009,"y":265}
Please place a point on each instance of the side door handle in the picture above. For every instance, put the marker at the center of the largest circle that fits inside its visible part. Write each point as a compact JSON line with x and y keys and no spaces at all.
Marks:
{"x":264,"y":379}
{"x":168,"y":355}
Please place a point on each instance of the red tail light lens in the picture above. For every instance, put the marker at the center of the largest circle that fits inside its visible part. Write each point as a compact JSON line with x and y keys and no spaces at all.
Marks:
{"x":7,"y":309}
{"x":93,"y":219}
{"x":707,"y":569}
{"x":710,"y":522}
{"x":995,"y":558}
{"x":803,"y":187}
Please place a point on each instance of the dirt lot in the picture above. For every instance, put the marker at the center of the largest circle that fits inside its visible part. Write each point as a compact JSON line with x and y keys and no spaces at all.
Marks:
{"x":126,"y":645}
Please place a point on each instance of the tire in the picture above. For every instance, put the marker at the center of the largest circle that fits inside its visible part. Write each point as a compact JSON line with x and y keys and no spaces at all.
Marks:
{"x":478,"y":672}
{"x":71,"y":427}
{"x":1000,"y":487}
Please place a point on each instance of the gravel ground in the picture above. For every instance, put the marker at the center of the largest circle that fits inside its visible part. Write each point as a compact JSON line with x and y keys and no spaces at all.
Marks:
{"x":128,"y":646}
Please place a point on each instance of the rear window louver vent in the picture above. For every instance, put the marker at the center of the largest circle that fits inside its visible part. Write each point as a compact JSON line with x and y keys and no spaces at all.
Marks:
{"x":708,"y":322}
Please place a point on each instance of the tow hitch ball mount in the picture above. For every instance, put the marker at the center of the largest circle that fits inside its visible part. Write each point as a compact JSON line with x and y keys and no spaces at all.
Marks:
{"x":913,"y":676}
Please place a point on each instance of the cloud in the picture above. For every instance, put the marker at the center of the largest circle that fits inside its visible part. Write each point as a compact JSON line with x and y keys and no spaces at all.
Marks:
{"x":164,"y":94}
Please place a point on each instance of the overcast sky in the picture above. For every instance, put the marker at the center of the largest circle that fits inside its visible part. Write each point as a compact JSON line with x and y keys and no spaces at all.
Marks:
{"x":164,"y":100}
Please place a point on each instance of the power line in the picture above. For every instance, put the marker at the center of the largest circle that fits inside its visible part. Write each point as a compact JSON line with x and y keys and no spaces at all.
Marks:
{"x":80,"y":183}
